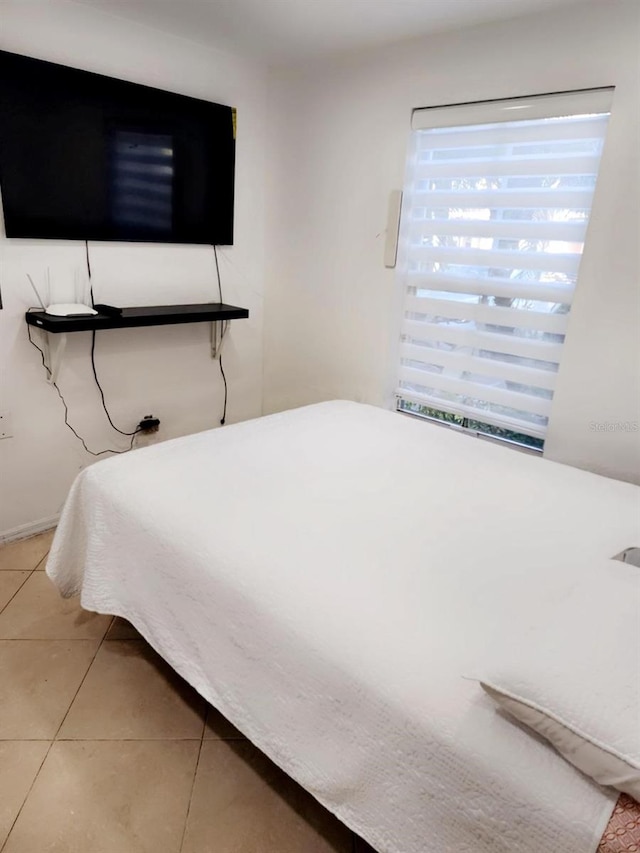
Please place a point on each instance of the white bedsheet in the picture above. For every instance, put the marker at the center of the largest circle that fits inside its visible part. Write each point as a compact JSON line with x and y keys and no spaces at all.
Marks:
{"x":327,"y":576}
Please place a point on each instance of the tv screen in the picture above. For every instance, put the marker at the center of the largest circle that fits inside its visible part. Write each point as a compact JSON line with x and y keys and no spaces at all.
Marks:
{"x":88,"y":157}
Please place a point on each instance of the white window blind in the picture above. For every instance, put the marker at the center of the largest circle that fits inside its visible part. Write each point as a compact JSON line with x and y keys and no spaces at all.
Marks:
{"x":496,"y":204}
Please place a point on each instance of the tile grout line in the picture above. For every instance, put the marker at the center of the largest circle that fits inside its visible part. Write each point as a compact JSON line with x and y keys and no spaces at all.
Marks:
{"x":27,"y":795}
{"x":51,"y":742}
{"x":29,"y":573}
{"x":75,"y":695}
{"x":43,"y":557}
{"x":40,"y":562}
{"x":193,"y":783}
{"x":13,"y":740}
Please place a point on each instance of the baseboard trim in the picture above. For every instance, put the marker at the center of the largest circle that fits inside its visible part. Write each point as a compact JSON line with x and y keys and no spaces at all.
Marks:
{"x":24,"y":531}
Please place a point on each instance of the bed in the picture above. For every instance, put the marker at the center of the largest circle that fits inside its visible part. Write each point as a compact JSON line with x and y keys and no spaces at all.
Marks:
{"x":332,"y":579}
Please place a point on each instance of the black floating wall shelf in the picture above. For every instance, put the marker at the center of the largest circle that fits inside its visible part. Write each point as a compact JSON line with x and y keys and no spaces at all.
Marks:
{"x":216,"y":313}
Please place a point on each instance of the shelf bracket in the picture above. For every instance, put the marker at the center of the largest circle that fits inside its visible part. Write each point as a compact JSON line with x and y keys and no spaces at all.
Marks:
{"x":219,"y":330}
{"x":53,"y":347}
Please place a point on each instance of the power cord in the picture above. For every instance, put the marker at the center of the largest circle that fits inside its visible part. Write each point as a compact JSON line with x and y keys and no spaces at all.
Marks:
{"x":224,"y":378}
{"x":215,"y":255}
{"x":93,"y":354}
{"x":95,"y":376}
{"x":86,"y":249}
{"x":66,"y":408}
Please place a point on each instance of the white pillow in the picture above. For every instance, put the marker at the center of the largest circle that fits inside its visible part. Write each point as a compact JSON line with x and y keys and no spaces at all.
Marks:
{"x":598,"y":760}
{"x":574,"y":675}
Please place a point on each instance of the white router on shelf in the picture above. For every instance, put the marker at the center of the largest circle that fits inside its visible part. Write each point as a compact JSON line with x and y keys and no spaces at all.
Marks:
{"x":63,"y":309}
{"x":70,"y":309}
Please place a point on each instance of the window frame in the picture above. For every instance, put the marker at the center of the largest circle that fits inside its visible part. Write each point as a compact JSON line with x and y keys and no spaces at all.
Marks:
{"x":530,"y":108}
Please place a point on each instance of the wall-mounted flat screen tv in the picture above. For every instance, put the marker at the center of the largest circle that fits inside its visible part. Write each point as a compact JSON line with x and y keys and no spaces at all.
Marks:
{"x":88,"y":157}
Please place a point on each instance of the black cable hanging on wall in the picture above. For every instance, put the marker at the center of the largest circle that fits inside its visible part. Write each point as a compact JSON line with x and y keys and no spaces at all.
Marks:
{"x":93,"y":355}
{"x":133,"y":434}
{"x":224,"y":378}
{"x":66,"y":408}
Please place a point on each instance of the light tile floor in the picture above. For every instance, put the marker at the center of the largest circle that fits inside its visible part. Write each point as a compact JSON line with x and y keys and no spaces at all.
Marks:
{"x":104,"y":749}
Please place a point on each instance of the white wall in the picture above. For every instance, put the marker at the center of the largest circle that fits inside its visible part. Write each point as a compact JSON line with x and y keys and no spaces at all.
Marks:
{"x":166,"y":371}
{"x":338,"y":137}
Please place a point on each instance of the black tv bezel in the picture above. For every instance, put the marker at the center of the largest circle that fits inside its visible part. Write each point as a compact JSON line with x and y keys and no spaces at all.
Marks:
{"x":221,"y":234}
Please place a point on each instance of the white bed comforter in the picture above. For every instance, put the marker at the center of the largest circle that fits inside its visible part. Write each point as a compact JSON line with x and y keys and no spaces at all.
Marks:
{"x":326,"y":577}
